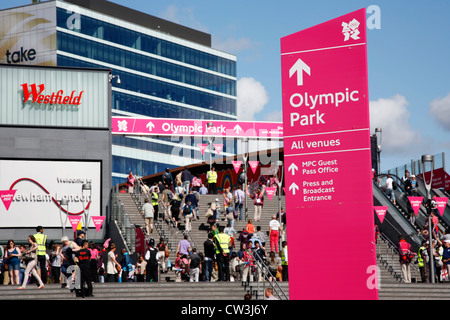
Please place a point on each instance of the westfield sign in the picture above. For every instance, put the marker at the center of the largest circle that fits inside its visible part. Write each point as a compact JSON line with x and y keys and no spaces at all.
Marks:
{"x":36,"y":92}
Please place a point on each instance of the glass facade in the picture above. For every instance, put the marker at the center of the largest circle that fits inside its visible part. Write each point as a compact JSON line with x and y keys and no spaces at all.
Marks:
{"x":161,"y":76}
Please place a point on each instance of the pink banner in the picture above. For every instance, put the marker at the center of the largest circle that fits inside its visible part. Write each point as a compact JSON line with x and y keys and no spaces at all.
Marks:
{"x":98,"y":222}
{"x":253,"y":165}
{"x":202,"y":147}
{"x":236,"y":165}
{"x":270,"y":191}
{"x":415,"y":202}
{"x":218,"y":148}
{"x":441,"y":203}
{"x":326,"y":141}
{"x":381,"y":212}
{"x":7,"y":197}
{"x":140,"y":242}
{"x":195,"y":128}
{"x":74,"y":221}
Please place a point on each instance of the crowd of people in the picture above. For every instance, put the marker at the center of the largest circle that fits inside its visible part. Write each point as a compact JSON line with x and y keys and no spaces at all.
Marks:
{"x":219,"y":260}
{"x":177,"y":199}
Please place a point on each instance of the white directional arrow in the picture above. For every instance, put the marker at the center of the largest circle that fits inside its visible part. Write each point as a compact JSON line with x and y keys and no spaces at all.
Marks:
{"x":150,"y":126}
{"x":292,"y":168}
{"x":299,"y":67}
{"x":293,"y":188}
{"x":237,"y":128}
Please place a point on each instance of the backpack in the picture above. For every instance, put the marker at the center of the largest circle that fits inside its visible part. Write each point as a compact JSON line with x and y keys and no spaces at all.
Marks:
{"x":394,"y":185}
{"x":187,"y":210}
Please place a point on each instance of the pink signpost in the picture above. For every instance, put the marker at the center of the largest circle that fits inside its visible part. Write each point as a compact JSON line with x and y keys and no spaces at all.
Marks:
{"x":329,"y":196}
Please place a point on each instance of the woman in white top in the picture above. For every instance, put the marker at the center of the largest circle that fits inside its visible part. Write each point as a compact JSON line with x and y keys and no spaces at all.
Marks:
{"x":275,"y":230}
{"x":31,"y":264}
{"x":112,"y":267}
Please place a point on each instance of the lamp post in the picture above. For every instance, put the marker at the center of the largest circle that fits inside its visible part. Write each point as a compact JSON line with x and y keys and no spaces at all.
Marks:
{"x":63,"y":202}
{"x":86,"y":187}
{"x":245,"y":156}
{"x":279,"y":163}
{"x":428,"y":163}
{"x":210,"y":140}
{"x":378,"y":132}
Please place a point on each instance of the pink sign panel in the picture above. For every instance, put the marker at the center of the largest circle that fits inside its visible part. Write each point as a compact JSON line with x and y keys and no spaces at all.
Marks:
{"x":326,"y":144}
{"x":270,"y":191}
{"x":441,"y":203}
{"x":98,"y":222}
{"x":218,"y":147}
{"x":196,"y":128}
{"x":236,"y":165}
{"x":381,"y":212}
{"x":415,"y":202}
{"x":7,"y":197}
{"x":253,"y":165}
{"x":74,"y":221}
{"x":202,"y":147}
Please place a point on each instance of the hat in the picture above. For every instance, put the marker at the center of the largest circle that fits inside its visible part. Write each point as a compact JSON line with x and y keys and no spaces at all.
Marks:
{"x":151,"y":242}
{"x":217,"y":199}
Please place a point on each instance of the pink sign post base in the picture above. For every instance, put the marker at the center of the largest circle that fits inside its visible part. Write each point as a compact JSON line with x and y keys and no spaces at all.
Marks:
{"x":329,"y":198}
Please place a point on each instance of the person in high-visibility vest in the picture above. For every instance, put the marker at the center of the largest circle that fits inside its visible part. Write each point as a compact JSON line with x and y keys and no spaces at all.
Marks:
{"x":155,"y":202}
{"x":284,"y":261}
{"x":211,"y":177}
{"x":422,"y":261}
{"x":41,"y":240}
{"x":222,"y":241}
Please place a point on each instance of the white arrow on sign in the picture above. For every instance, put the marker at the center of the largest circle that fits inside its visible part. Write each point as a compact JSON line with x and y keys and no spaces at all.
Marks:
{"x":150,"y":126}
{"x":299,"y":67}
{"x":292,"y":168}
{"x":237,"y":128}
{"x":293,"y":188}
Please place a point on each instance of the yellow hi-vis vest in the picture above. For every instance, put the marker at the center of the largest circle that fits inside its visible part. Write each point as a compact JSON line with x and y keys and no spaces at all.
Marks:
{"x":155,"y":198}
{"x":224,"y":241}
{"x":212,"y":176}
{"x":41,"y":239}
{"x":283,"y":257}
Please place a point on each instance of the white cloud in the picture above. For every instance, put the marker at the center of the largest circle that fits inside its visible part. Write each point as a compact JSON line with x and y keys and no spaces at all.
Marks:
{"x":251,"y":98}
{"x":183,"y":16}
{"x":392,"y":116}
{"x":440,"y":110}
{"x":274,"y":116}
{"x":233,"y":45}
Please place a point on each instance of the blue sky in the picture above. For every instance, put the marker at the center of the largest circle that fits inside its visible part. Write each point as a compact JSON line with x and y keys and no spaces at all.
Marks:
{"x":409,"y":60}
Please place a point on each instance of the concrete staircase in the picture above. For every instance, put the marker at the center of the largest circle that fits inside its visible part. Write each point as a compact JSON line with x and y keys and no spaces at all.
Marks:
{"x":199,"y":232}
{"x":137,"y":291}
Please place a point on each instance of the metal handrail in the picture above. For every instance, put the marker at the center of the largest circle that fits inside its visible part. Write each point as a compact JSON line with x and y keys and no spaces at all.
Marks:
{"x":264,"y":269}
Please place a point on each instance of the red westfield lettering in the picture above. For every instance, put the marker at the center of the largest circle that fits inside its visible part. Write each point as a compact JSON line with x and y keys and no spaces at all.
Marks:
{"x":36,"y":92}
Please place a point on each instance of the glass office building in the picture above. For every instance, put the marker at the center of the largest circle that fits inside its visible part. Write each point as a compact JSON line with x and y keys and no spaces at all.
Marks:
{"x":165,"y":70}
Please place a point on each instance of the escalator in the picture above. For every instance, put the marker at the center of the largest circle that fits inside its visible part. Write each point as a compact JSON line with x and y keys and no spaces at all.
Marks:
{"x":396,"y":221}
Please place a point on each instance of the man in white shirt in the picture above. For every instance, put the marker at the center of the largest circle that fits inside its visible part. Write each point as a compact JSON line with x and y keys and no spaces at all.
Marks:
{"x":275,"y":230}
{"x":390,"y":188}
{"x":148,"y":213}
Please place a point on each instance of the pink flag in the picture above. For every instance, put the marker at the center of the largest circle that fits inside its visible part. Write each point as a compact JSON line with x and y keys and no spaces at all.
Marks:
{"x":415,"y":202}
{"x":218,"y":148}
{"x":7,"y":197}
{"x":441,"y":204}
{"x":253,"y":165}
{"x":236,"y":165}
{"x":270,"y":191}
{"x":74,"y":221}
{"x":381,"y":212}
{"x":98,"y":222}
{"x":202,"y":147}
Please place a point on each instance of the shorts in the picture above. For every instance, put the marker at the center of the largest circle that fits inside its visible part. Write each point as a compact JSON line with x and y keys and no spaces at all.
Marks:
{"x":12,"y":267}
{"x":149,"y":221}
